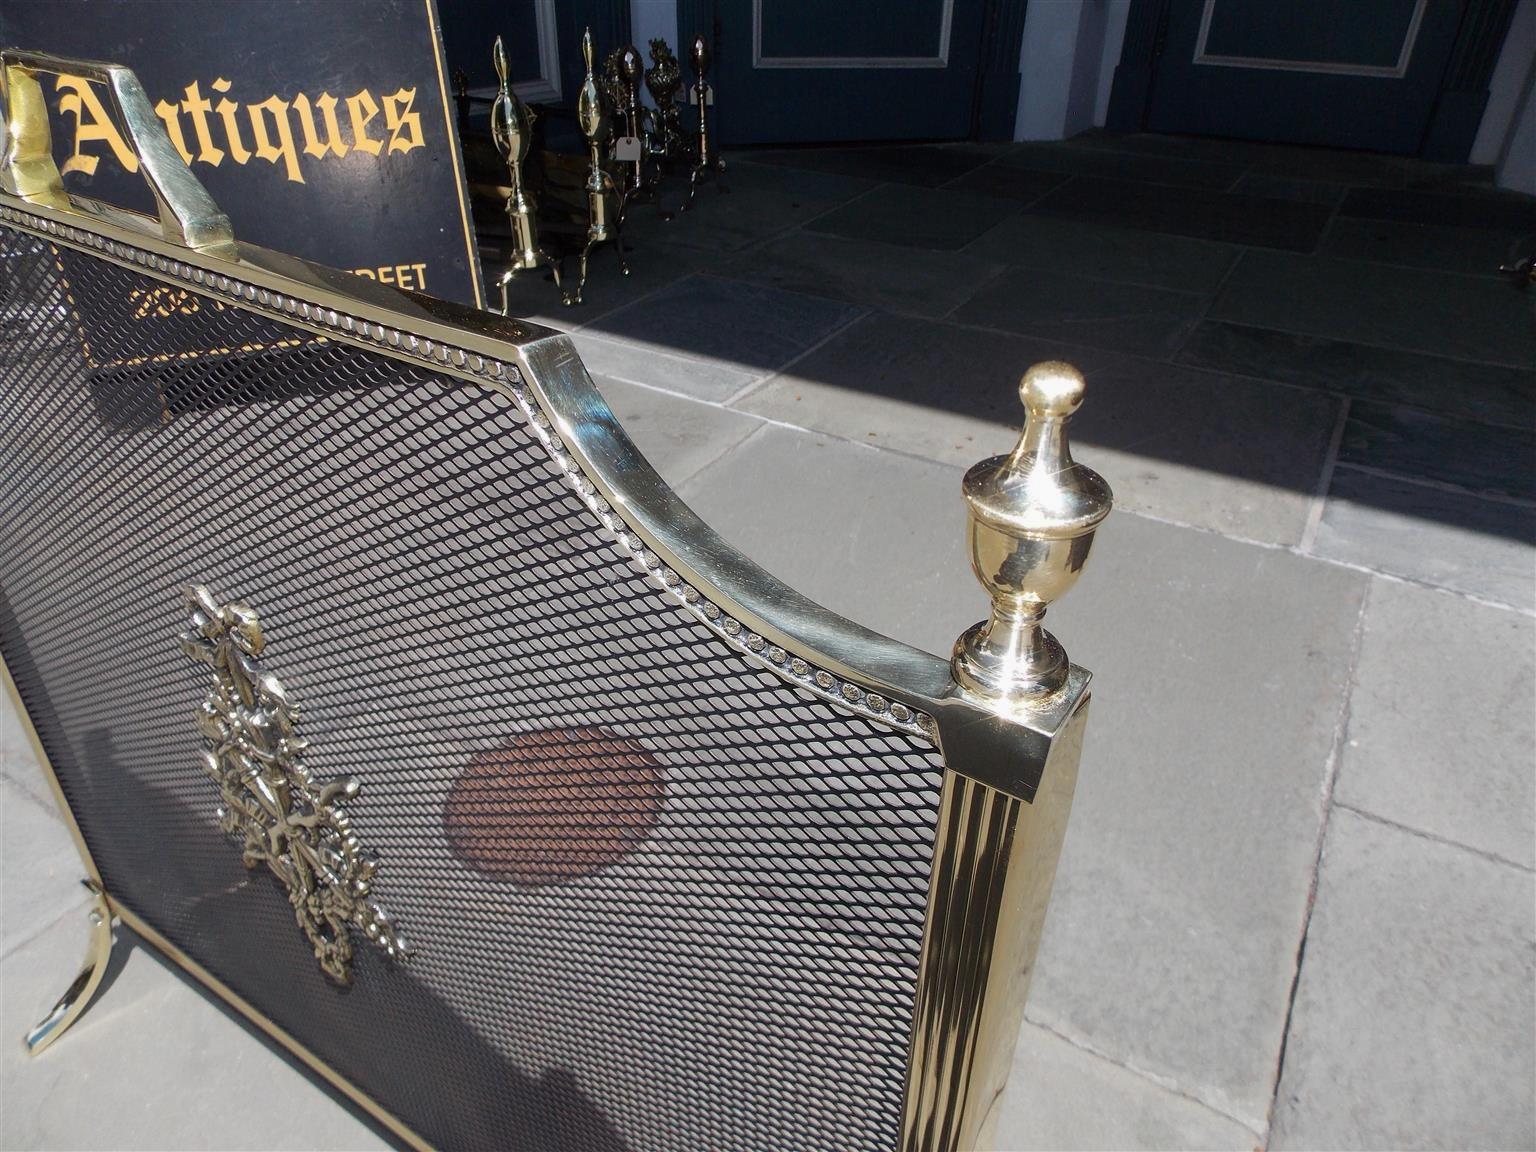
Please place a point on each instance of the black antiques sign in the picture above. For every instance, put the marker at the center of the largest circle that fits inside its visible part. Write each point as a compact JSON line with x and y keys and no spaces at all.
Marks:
{"x":321,"y":127}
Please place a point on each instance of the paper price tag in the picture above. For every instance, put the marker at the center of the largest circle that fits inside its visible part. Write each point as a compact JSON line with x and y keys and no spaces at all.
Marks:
{"x":709,"y":95}
{"x":626,"y":149}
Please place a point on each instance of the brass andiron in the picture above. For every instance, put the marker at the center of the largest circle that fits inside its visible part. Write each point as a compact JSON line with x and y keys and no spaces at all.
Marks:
{"x":605,"y":211}
{"x":512,"y":130}
{"x":705,"y":163}
{"x":281,"y":815}
{"x":663,"y":80}
{"x":624,"y":90}
{"x":1032,"y":519}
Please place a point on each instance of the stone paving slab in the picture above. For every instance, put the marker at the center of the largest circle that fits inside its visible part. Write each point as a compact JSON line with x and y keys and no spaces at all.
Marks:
{"x":40,"y":868}
{"x":879,"y":275}
{"x":1494,"y":209}
{"x":152,"y":1064}
{"x":1171,"y":944}
{"x":1413,"y":1016}
{"x":659,"y":367}
{"x":1057,"y":305}
{"x":1120,"y":254}
{"x":1490,"y":393}
{"x":747,"y":327}
{"x":1023,"y":184}
{"x":1442,"y":732}
{"x":678,"y":437}
{"x":1230,"y":217}
{"x":1200,"y":448}
{"x":18,"y":762}
{"x":1430,"y":535}
{"x":917,"y":217}
{"x":900,"y":164}
{"x":1476,"y":458}
{"x":1471,"y":317}
{"x":1061,"y":1097}
{"x":1179,"y":171}
{"x":1442,"y":247}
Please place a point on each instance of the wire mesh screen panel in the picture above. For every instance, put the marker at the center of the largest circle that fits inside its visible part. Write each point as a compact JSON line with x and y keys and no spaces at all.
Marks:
{"x":656,"y":896}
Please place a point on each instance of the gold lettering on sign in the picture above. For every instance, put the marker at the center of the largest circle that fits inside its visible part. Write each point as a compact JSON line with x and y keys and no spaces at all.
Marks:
{"x":197,"y":107}
{"x":204,"y":132}
{"x":402,"y":120}
{"x":412,"y":277}
{"x":92,"y":123}
{"x":226,"y":108}
{"x":278,"y":110}
{"x":360,"y":138}
{"x":312,"y":143}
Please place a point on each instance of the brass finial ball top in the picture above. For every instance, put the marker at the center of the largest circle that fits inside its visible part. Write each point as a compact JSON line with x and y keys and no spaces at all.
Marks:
{"x":1038,"y":490}
{"x":1052,"y":389}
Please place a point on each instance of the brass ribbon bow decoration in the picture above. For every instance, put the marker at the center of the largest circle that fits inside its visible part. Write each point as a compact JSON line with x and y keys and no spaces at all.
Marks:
{"x":286,"y":821}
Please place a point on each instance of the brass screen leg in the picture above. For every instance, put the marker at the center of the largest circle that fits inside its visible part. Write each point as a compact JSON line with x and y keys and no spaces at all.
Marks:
{"x":84,"y":986}
{"x":1033,"y":514}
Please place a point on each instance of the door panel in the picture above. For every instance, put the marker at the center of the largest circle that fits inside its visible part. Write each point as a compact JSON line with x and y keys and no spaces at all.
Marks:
{"x":793,"y":71}
{"x":1359,"y":75}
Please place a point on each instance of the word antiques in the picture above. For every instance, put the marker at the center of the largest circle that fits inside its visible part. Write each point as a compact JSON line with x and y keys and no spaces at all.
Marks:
{"x":267,"y":133}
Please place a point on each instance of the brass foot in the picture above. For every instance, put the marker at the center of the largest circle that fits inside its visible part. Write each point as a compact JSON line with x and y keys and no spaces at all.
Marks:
{"x":79,"y":993}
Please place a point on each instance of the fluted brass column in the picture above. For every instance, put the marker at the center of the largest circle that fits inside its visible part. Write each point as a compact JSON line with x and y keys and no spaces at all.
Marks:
{"x":1033,"y":514}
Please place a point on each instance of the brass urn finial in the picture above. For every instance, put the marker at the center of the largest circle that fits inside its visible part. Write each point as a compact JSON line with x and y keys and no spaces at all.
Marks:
{"x":1032,"y":518}
{"x":631,"y":67}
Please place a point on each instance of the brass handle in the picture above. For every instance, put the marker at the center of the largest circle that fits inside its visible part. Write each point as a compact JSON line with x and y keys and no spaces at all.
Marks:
{"x":188,"y":214}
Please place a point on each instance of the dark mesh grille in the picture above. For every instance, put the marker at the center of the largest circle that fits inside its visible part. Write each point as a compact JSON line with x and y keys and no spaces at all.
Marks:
{"x":658,"y":897}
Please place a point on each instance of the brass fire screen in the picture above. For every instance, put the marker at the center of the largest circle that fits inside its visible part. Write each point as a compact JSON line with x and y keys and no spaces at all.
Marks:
{"x":655,"y":896}
{"x":397,"y":699}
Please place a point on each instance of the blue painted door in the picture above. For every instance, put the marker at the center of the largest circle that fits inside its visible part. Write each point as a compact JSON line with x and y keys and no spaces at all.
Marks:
{"x":800,"y":71}
{"x":1343,"y":73}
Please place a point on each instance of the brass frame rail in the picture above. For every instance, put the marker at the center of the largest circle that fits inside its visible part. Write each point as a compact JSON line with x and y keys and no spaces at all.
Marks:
{"x":1007,"y":713}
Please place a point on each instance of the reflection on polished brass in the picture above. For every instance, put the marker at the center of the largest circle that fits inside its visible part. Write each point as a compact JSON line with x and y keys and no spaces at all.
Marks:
{"x":284,"y":818}
{"x":994,"y":863}
{"x":512,"y":131}
{"x":78,"y":995}
{"x":188,"y":214}
{"x":663,"y":80}
{"x":1032,"y":519}
{"x":605,"y":214}
{"x":705,"y":162}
